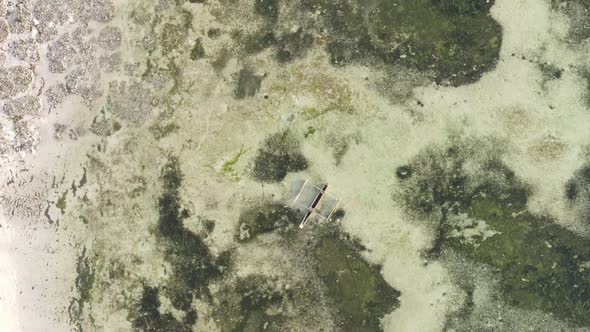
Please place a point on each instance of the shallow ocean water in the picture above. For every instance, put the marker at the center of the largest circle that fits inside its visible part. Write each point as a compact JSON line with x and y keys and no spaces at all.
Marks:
{"x":151,"y":152}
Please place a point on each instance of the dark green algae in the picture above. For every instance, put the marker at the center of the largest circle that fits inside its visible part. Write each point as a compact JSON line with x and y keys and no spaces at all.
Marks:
{"x":279,"y":154}
{"x":198,"y":50}
{"x":539,"y":264}
{"x":357,"y":293}
{"x":360,"y":294}
{"x":287,"y":46}
{"x":267,"y":8}
{"x":456,"y":40}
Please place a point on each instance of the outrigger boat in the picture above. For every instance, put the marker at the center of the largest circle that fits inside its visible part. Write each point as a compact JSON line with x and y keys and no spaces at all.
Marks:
{"x":314,"y":201}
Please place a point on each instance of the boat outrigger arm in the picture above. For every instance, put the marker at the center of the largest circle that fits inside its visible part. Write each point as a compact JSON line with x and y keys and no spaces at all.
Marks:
{"x":311,"y":210}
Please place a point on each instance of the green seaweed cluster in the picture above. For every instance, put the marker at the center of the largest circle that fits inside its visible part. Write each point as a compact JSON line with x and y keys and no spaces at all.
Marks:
{"x":456,"y":39}
{"x":227,"y":169}
{"x":264,"y":219}
{"x":279,"y":154}
{"x":358,"y":291}
{"x":539,"y":264}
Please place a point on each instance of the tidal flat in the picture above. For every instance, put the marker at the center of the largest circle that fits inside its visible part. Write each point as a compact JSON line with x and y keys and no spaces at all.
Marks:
{"x":305,"y":165}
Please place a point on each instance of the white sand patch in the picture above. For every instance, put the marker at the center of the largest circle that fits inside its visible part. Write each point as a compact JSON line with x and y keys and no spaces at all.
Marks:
{"x":427,"y":294}
{"x":470,"y":230}
{"x":38,"y":272}
{"x":526,"y":25}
